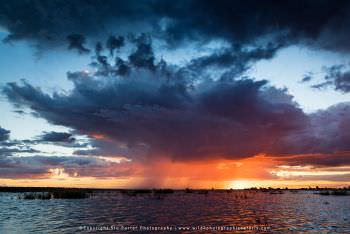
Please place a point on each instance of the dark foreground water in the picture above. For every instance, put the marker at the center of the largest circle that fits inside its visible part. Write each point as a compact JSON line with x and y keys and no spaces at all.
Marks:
{"x":243,"y":212}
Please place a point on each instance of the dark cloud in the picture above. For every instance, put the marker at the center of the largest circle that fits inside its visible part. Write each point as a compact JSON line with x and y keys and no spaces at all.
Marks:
{"x":143,"y":56}
{"x":319,"y":160}
{"x":337,"y":77}
{"x":321,"y":24}
{"x":248,"y":22}
{"x":333,"y":127}
{"x":57,"y":137}
{"x":167,"y":118}
{"x":77,"y":41}
{"x":307,"y":77}
{"x":114,"y":42}
{"x":157,"y":110}
{"x":4,"y":134}
{"x":49,"y":23}
{"x":64,"y":139}
{"x":327,"y":132}
{"x":322,"y":86}
{"x":232,"y":61}
{"x":144,"y":107}
{"x":9,"y":151}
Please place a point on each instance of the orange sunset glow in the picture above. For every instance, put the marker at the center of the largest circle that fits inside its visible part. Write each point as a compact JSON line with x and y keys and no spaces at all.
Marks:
{"x":259,"y":171}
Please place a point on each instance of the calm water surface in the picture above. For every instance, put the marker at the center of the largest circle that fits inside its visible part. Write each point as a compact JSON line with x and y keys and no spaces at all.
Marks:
{"x":280,"y":213}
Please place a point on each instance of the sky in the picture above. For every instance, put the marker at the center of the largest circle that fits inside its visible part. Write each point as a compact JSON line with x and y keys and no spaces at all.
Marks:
{"x":200,"y":94}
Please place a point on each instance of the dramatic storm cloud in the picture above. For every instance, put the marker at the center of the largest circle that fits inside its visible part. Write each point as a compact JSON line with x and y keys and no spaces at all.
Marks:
{"x":319,"y":23}
{"x":159,"y":110}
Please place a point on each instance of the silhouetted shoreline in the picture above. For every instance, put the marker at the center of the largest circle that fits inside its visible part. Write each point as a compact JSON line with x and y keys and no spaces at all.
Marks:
{"x":73,"y":193}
